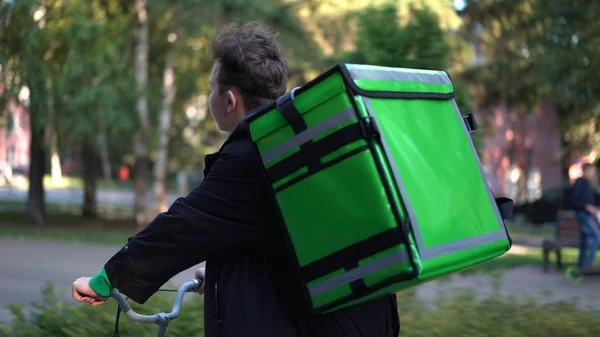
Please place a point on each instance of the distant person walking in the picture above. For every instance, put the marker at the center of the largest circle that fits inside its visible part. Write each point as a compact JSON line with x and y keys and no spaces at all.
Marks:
{"x":582,"y":200}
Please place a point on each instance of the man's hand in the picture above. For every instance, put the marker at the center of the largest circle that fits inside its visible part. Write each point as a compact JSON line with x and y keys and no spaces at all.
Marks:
{"x":82,"y":292}
{"x":591,"y":209}
{"x":200,"y":275}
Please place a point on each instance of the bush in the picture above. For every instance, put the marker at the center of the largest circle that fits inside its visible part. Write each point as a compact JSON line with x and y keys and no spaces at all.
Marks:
{"x":454,"y":313}
{"x":52,"y":317}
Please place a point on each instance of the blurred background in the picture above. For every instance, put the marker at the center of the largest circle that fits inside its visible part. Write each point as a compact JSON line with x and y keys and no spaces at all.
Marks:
{"x":104,"y":123}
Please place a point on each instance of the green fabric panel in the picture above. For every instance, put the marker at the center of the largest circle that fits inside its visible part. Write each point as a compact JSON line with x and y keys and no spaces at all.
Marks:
{"x":332,"y":295}
{"x":400,"y":269}
{"x":321,"y":92}
{"x":290,"y":177}
{"x":403,"y":86}
{"x":380,"y":154}
{"x":343,"y":150}
{"x":460,"y":260}
{"x":334,"y":129}
{"x":439,"y":171}
{"x":353,"y":186}
{"x":392,"y":289}
{"x":273,"y":139}
{"x":321,"y":112}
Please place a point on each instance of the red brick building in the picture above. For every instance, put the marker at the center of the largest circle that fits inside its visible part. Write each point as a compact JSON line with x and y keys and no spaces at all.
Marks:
{"x":14,"y":137}
{"x":520,"y":157}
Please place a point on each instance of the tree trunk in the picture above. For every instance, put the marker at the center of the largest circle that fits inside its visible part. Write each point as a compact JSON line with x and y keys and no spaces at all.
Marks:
{"x":55,"y":169}
{"x":88,"y":158}
{"x":104,"y":156}
{"x":160,"y":166}
{"x":140,"y":140}
{"x":36,"y":203}
{"x":55,"y":166}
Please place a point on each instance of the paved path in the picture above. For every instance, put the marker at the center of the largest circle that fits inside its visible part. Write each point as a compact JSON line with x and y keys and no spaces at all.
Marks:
{"x":26,"y":265}
{"x":523,"y":283}
{"x":74,"y":196}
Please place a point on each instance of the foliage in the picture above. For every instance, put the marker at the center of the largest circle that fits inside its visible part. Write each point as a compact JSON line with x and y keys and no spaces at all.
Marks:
{"x":537,"y":50}
{"x":413,"y":41}
{"x":53,"y":317}
{"x":452,"y":313}
{"x":93,"y":83}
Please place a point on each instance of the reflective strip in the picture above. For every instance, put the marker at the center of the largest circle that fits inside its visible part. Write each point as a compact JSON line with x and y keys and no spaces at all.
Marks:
{"x":364,"y":74}
{"x":355,"y":66}
{"x":452,"y":247}
{"x":464,"y":244}
{"x":357,"y":273}
{"x":308,"y":134}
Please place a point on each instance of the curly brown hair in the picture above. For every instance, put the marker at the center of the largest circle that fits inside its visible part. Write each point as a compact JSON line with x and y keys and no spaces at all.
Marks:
{"x":249,"y":58}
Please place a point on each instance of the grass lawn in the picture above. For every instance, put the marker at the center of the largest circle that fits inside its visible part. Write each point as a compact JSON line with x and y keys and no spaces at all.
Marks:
{"x":69,"y":228}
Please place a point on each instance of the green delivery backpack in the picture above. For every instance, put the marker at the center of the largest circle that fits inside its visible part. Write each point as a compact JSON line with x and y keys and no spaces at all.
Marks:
{"x":377,"y":183}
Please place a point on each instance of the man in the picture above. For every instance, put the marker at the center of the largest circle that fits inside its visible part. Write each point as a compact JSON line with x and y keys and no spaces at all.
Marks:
{"x":582,"y":197}
{"x":221,"y":222}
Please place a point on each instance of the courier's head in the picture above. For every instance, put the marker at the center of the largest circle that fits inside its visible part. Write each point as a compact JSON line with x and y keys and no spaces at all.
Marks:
{"x":248,"y":72}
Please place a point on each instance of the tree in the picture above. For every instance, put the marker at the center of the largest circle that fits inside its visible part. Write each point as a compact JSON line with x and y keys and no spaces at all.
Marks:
{"x":191,"y":134}
{"x":168,"y":96}
{"x":142,"y":135}
{"x":28,"y":28}
{"x":535,"y":51}
{"x":417,"y":40}
{"x":569,"y":70}
{"x":93,"y":99}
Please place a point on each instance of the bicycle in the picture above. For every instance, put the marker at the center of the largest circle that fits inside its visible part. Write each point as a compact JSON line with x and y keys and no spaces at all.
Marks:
{"x":575,"y":275}
{"x":161,"y":319}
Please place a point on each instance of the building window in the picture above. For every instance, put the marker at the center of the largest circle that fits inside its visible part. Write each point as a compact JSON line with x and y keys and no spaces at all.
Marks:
{"x":10,"y":156}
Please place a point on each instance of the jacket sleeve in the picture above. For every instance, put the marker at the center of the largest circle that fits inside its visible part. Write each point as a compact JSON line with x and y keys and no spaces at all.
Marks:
{"x":218,"y":217}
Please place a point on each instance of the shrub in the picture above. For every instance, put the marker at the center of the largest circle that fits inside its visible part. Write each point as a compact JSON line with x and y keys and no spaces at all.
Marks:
{"x":52,"y":317}
{"x":454,"y":313}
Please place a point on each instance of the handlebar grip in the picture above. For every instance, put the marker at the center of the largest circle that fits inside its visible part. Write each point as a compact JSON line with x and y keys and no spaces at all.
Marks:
{"x":192,"y":285}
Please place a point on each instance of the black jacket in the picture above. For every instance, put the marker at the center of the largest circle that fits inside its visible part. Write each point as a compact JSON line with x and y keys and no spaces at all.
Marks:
{"x":581,"y":194}
{"x":220,"y":222}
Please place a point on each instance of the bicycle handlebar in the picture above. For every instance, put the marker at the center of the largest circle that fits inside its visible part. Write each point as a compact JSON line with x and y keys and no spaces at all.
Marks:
{"x":159,"y":318}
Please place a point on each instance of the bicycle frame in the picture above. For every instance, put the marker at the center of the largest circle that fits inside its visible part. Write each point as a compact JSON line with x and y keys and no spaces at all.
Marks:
{"x":161,"y":319}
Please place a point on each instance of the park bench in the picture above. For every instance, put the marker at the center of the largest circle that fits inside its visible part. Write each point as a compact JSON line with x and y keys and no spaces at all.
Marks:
{"x":567,"y":235}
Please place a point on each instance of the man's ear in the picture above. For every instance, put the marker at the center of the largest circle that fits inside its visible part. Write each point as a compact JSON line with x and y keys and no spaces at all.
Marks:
{"x":231,"y":101}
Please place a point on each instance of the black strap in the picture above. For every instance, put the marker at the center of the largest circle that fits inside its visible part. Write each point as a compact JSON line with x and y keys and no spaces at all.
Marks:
{"x":321,"y":167}
{"x":352,"y":254}
{"x":315,"y":152}
{"x":285,"y":105}
{"x":470,"y":122}
{"x":292,"y":116}
{"x":505,"y":205}
{"x":357,"y":286}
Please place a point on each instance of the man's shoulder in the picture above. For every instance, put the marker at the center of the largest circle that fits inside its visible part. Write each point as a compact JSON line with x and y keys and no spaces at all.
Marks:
{"x":239,"y":153}
{"x":240,"y":145}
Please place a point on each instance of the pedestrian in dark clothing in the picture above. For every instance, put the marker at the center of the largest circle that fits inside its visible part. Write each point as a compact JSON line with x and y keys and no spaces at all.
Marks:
{"x":223,"y":220}
{"x":582,"y":200}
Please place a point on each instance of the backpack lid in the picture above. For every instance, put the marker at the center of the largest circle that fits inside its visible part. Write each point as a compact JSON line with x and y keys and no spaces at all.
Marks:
{"x":388,"y":82}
